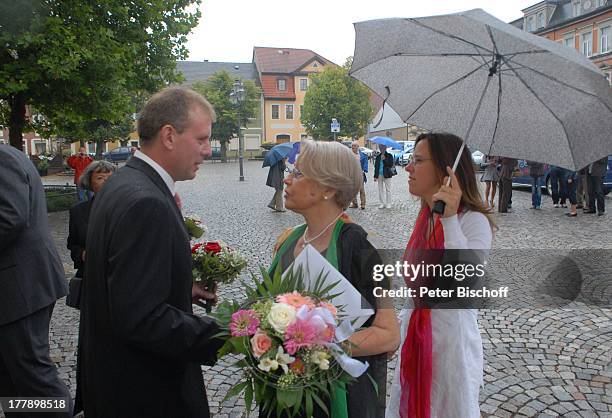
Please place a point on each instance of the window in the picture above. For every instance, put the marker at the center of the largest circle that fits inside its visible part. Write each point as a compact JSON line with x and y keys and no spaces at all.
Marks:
{"x":576,"y":8}
{"x":282,"y":84}
{"x":600,"y":3}
{"x":540,"y":20}
{"x":303,"y":84}
{"x":303,"y":136}
{"x":288,"y":111}
{"x":301,"y":111}
{"x":529,"y":24}
{"x":41,"y":148}
{"x":604,"y":39}
{"x":586,"y":47}
{"x":570,"y":42}
{"x":275,"y":111}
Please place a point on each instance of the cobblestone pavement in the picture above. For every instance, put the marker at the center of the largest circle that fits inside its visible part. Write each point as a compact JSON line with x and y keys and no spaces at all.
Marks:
{"x":539,"y":360}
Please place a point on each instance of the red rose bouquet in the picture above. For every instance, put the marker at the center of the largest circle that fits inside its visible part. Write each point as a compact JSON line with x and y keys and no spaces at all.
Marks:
{"x":214,"y":262}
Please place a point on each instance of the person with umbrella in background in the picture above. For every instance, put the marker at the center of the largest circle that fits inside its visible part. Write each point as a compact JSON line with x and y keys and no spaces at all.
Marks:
{"x":276,"y":177}
{"x":383,"y":172}
{"x":276,"y":159}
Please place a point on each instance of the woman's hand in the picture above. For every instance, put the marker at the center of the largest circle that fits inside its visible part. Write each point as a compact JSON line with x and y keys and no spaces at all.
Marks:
{"x":451,"y":194}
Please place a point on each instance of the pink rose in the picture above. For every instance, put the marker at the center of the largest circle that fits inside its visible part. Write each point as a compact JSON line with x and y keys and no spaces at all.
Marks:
{"x":260,"y":343}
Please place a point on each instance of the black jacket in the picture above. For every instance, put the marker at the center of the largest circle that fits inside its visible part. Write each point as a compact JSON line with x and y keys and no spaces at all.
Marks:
{"x":387,"y":165}
{"x":77,"y":233}
{"x":141,"y":345}
{"x":31,"y":272}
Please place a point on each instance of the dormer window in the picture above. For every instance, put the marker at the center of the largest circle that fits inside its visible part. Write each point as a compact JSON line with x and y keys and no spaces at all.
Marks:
{"x":529,"y":24}
{"x":540,"y":20}
{"x":281,"y":84}
{"x":576,"y":8}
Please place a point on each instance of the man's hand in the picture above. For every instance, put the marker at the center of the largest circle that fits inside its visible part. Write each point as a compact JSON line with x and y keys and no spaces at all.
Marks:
{"x":200,"y":292}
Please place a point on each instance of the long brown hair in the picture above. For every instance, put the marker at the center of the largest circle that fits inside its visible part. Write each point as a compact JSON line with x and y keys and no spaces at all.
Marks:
{"x":443,"y":148}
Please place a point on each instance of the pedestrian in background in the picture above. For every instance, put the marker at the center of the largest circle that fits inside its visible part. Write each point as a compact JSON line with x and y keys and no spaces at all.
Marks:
{"x":276,"y":176}
{"x":570,"y":182}
{"x":582,"y":197}
{"x":558,"y":184}
{"x":536,"y":171}
{"x":597,"y":171}
{"x":384,"y":170}
{"x":31,"y":280}
{"x":78,"y":162}
{"x":91,"y":180}
{"x":505,"y":183}
{"x":363,"y":161}
{"x":490,"y":177}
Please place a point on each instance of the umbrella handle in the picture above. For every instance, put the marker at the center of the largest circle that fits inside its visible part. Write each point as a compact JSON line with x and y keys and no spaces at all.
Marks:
{"x":440,"y":206}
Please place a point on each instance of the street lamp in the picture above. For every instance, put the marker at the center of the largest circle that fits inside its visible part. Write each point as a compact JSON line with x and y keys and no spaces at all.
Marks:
{"x":237,"y":96}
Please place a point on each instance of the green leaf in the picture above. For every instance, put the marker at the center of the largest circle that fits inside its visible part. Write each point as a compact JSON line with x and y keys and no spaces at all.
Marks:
{"x":320,"y":402}
{"x":235,"y":390}
{"x":248,"y":395}
{"x":309,"y":406}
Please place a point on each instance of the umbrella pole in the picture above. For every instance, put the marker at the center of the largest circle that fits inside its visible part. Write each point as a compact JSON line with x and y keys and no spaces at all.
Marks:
{"x":439,"y":206}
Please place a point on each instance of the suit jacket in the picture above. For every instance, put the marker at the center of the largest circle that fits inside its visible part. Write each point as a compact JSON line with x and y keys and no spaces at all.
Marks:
{"x":77,"y":233}
{"x":507,"y":168}
{"x":141,"y":345}
{"x":31,"y":272}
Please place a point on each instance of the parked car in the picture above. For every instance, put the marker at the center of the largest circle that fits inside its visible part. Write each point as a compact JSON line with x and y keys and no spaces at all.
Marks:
{"x":118,"y":154}
{"x":398,"y":154}
{"x":479,"y":159}
{"x":525,"y":179}
{"x":367,"y":151}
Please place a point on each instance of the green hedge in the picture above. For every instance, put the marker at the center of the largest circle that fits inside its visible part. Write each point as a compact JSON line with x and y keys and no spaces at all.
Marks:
{"x":61,"y":198}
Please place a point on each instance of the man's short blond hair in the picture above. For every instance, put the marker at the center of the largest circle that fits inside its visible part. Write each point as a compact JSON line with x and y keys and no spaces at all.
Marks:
{"x":171,"y":106}
{"x":333,"y":165}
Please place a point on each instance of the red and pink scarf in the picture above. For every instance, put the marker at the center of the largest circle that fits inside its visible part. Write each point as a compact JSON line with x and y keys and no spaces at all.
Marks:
{"x":416,"y":352}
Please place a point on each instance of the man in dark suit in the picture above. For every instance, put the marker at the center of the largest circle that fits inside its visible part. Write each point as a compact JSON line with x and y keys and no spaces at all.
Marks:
{"x":31,"y":280}
{"x":141,"y":345}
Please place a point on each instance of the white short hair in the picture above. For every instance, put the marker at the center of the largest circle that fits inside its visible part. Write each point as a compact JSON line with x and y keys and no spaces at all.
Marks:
{"x":332,"y":165}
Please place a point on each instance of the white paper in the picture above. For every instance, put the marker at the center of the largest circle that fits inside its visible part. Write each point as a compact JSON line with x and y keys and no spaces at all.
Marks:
{"x":353,"y":306}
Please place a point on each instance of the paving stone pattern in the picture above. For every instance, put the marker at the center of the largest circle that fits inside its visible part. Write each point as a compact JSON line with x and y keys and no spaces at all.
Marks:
{"x":539,"y":360}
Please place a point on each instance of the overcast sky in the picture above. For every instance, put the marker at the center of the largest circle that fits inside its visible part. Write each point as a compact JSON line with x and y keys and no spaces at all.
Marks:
{"x":229,"y":29}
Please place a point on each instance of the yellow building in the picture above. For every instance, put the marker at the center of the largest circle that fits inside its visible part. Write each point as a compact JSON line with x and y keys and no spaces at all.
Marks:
{"x":283,"y":73}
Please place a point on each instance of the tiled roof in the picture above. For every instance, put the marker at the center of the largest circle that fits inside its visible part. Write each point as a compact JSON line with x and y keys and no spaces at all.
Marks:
{"x":194,"y":71}
{"x":283,"y":60}
{"x":270,"y":89}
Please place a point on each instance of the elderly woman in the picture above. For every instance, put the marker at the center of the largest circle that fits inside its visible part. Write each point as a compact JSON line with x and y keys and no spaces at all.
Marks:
{"x":326,"y":179}
{"x":92,"y":179}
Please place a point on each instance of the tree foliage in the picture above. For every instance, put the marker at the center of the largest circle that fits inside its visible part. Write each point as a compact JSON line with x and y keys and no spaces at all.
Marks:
{"x":217,"y":91}
{"x":77,"y":62}
{"x":333,"y":94}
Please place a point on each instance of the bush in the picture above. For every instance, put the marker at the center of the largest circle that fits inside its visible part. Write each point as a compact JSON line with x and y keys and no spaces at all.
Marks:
{"x":61,"y":198}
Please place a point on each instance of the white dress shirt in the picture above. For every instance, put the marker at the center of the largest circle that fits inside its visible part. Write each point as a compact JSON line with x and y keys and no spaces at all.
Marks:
{"x":158,"y":168}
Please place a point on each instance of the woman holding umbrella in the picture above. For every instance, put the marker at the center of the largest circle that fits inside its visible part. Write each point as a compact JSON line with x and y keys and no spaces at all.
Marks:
{"x":440,"y":367}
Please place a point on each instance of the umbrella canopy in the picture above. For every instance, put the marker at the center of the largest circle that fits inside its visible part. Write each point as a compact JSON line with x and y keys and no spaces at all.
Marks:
{"x":386,"y":141}
{"x":293,"y":154}
{"x":277,"y":153}
{"x":512,"y":93}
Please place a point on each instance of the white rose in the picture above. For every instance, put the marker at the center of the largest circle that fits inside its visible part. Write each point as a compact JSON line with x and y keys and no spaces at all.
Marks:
{"x":280,"y":316}
{"x":268,"y":364}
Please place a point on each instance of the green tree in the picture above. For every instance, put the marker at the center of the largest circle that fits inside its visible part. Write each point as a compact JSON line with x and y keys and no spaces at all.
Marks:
{"x":217,"y":91}
{"x":333,"y":94}
{"x":77,"y":62}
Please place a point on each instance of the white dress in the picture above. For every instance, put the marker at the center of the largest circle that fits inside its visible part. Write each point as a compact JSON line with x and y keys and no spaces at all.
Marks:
{"x":457,"y":354}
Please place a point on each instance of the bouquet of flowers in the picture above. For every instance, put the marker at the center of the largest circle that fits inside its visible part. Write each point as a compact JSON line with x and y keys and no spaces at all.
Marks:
{"x":215,"y":262}
{"x":194,"y":227}
{"x":288,"y":337}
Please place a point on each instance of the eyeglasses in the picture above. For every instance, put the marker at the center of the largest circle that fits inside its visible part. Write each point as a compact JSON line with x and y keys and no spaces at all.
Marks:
{"x":295,"y":173}
{"x":418,"y":161}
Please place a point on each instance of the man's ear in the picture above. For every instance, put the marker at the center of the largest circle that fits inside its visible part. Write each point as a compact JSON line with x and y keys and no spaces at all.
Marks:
{"x":167,"y":136}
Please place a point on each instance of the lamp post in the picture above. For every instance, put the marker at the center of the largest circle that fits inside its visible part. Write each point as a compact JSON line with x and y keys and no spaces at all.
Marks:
{"x":237,"y":96}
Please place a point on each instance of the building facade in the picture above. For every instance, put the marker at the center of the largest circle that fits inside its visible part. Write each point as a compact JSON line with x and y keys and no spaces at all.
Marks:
{"x":284,"y":81}
{"x":585,"y":25}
